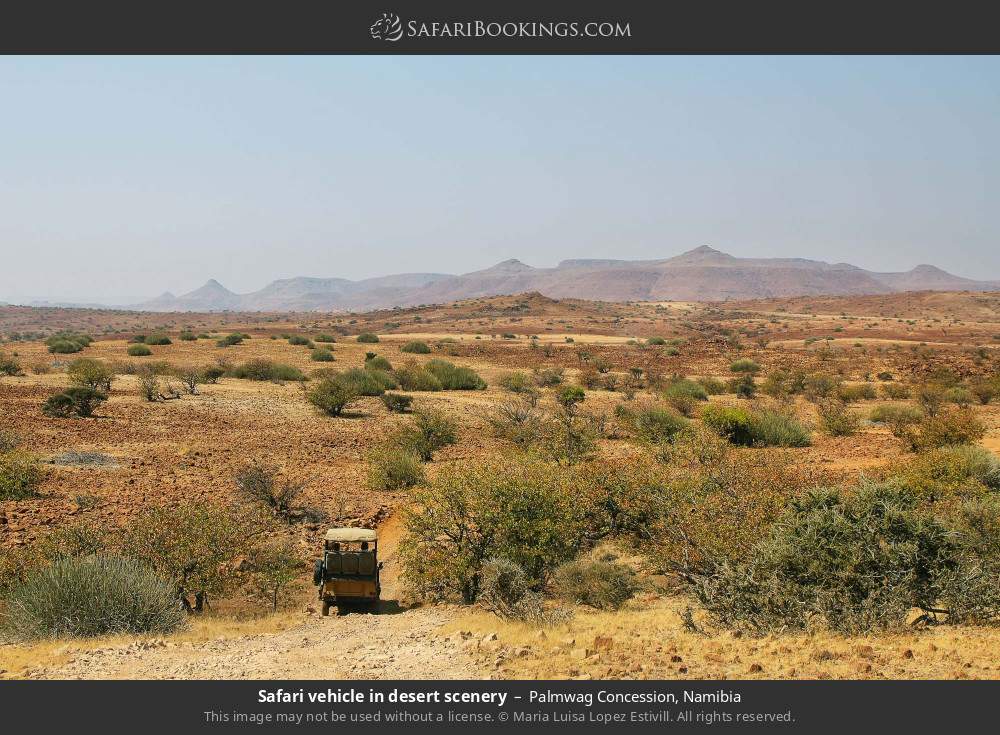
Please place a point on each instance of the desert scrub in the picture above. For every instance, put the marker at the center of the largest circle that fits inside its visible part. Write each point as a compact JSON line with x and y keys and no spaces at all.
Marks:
{"x":229,"y":340}
{"x":854,"y":563}
{"x":836,"y":419}
{"x":858,"y":392}
{"x":712,"y":386}
{"x":454,"y":377}
{"x":416,"y":347}
{"x":517,"y":382}
{"x":396,"y":402}
{"x":429,"y":432}
{"x":9,"y":365}
{"x":896,"y":413}
{"x":333,"y":394}
{"x":297,"y":340}
{"x":517,"y":510}
{"x":89,"y":373}
{"x":948,"y":472}
{"x":324,"y":338}
{"x":368,"y":338}
{"x":955,"y":426}
{"x":138,"y":350}
{"x":391,"y":469}
{"x":744,"y":365}
{"x":654,"y":425}
{"x":263,"y":484}
{"x":68,"y":342}
{"x":77,"y":401}
{"x":377,"y":362}
{"x":896,"y":391}
{"x":76,"y":597}
{"x":158,"y":339}
{"x":415,"y":378}
{"x":755,"y":428}
{"x":19,"y":475}
{"x":263,"y":369}
{"x":371,"y":381}
{"x":321,"y":355}
{"x":605,"y":585}
{"x":517,"y":421}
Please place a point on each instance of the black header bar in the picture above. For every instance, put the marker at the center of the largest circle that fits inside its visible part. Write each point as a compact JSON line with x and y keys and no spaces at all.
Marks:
{"x":511,"y":27}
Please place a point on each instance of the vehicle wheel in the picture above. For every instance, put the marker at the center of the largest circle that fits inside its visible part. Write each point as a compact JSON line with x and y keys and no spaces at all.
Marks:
{"x":326,"y":608}
{"x":318,"y":572}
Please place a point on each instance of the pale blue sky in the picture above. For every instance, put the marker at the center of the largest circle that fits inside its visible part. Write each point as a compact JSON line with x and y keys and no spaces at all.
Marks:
{"x":124,"y":177}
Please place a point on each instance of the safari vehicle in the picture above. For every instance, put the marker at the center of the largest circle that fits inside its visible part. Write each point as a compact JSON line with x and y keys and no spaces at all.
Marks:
{"x":348,"y":573}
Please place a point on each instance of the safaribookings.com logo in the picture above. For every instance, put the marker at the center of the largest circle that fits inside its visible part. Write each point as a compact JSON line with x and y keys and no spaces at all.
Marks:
{"x":390,"y":28}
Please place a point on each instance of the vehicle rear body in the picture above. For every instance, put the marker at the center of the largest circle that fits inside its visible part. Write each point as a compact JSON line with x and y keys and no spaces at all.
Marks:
{"x":348,"y":573}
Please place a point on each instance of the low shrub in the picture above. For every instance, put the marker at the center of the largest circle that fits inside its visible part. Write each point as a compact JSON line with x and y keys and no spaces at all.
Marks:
{"x":158,"y":339}
{"x":743,"y":386}
{"x":760,"y":427}
{"x":68,"y":342}
{"x":297,"y":340}
{"x":377,"y":362}
{"x":517,"y":382}
{"x":959,"y":396}
{"x":712,"y":386}
{"x":896,"y":391}
{"x":19,"y":474}
{"x":324,"y":338}
{"x":229,"y":340}
{"x":415,"y":378}
{"x":685,"y":388}
{"x":548,"y":377}
{"x":744,"y":365}
{"x":454,"y":377}
{"x":957,"y":426}
{"x":948,"y":472}
{"x":397,"y":402}
{"x":138,"y":350}
{"x":654,"y":425}
{"x":89,"y":373}
{"x":368,"y":338}
{"x":605,"y":585}
{"x":429,"y":432}
{"x":984,"y":390}
{"x":264,"y":369}
{"x":334,"y":394}
{"x":87,"y":596}
{"x":416,"y":347}
{"x":371,"y":382}
{"x":212,"y":374}
{"x":262,"y":484}
{"x":77,"y":401}
{"x":896,"y":413}
{"x":817,"y":386}
{"x":517,"y":421}
{"x":836,"y":420}
{"x":858,"y":392}
{"x":393,"y":469}
{"x":9,"y":365}
{"x":186,"y":336}
{"x":854,"y":563}
{"x":321,"y":355}
{"x":656,"y":341}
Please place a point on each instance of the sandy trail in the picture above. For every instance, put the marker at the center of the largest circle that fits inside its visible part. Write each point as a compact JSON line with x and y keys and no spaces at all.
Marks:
{"x":396,"y":643}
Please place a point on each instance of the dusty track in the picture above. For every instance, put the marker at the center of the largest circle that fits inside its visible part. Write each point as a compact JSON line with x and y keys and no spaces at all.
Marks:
{"x":396,"y":643}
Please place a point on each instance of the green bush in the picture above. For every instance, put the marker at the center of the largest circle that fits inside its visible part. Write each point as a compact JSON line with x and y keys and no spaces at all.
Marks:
{"x":416,"y":347}
{"x":324,"y":338}
{"x":138,"y":350}
{"x":687,"y":389}
{"x":656,"y":341}
{"x":412,"y":377}
{"x":653,"y":425}
{"x":212,"y":374}
{"x":91,"y":596}
{"x":859,"y":392}
{"x":892,"y":413}
{"x":397,"y":402}
{"x":837,"y":420}
{"x":745,"y":365}
{"x":855,"y":563}
{"x":453,"y":377}
{"x":19,"y":474}
{"x":523,"y":512}
{"x":264,"y":369}
{"x":896,"y":391}
{"x":517,"y":382}
{"x":712,"y":386}
{"x":89,"y":373}
{"x":332,"y":395}
{"x":188,"y":336}
{"x":392,"y":469}
{"x":368,"y":338}
{"x":376,"y":362}
{"x":9,"y":365}
{"x":298,"y":340}
{"x":321,"y":355}
{"x":959,"y":396}
{"x":957,"y":426}
{"x":371,"y":382}
{"x":76,"y":401}
{"x":743,"y":386}
{"x":429,"y":432}
{"x":605,"y":585}
{"x":755,"y":428}
{"x":229,"y":340}
{"x":948,"y":472}
{"x":67,"y":342}
{"x":158,"y":339}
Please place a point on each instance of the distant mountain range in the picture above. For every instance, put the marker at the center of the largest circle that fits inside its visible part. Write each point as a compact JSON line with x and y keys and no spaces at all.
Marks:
{"x":702,"y":274}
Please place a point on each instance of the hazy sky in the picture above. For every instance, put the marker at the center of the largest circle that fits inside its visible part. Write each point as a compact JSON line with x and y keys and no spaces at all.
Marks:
{"x":124,"y":177}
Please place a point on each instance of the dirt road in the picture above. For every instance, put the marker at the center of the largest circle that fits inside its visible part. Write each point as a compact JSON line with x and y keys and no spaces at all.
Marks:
{"x":396,"y":643}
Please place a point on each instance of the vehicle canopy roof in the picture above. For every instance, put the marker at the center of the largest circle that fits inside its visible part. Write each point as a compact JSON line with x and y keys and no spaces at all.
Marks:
{"x":351,"y":534}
